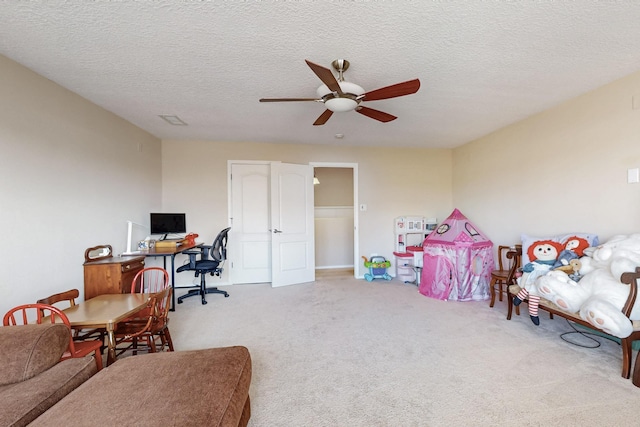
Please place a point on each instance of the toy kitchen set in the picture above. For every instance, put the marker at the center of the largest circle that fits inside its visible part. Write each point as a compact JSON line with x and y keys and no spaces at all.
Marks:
{"x":410,"y":232}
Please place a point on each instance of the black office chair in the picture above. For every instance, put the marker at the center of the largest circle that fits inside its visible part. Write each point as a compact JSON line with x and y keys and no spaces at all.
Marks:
{"x":206,"y":265}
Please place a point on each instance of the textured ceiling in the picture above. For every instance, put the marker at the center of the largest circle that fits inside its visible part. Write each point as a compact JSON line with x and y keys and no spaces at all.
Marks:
{"x":482,"y":64}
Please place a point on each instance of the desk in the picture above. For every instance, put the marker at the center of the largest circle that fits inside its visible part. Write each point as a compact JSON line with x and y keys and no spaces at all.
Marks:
{"x":105,"y":311}
{"x":171,"y":252}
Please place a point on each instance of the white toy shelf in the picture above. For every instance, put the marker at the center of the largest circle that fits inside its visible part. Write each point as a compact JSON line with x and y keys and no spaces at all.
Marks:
{"x":410,"y":231}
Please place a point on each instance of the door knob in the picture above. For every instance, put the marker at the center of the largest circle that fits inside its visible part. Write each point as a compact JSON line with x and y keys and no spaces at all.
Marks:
{"x":277,"y":231}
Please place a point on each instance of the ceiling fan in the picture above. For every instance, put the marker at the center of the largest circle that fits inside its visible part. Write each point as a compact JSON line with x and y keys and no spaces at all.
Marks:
{"x":340,"y":96}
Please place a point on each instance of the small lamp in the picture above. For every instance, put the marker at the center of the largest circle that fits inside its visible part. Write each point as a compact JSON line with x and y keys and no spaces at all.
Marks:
{"x":129,"y":237}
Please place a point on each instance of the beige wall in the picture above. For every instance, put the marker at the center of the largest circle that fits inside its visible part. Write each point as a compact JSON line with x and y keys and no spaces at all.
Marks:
{"x":71,"y":175}
{"x":392,"y":182}
{"x":335,"y":188}
{"x":562,"y":170}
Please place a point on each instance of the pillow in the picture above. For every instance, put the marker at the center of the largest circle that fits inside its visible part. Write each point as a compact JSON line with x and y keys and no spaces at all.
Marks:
{"x":562,"y":239}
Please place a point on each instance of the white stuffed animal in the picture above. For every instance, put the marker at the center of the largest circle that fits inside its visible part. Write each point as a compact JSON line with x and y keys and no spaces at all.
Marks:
{"x":599,"y":296}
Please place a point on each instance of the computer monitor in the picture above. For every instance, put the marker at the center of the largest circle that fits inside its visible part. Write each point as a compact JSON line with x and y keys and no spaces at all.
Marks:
{"x":167,"y":223}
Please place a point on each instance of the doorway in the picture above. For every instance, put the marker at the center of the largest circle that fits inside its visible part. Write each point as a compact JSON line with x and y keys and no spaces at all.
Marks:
{"x":336,"y":219}
{"x":252,"y":232}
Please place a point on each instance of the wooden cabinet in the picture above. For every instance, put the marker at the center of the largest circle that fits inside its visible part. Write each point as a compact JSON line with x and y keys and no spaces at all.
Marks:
{"x":106,"y":274}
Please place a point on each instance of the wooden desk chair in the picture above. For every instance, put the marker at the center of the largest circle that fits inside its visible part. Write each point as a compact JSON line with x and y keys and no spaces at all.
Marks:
{"x":41,"y":313}
{"x":148,"y":327}
{"x":508,"y":263}
{"x":70,"y":297}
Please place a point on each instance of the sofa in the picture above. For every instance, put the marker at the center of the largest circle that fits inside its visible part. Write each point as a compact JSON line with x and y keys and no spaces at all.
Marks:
{"x":33,"y":378}
{"x":208,"y":387}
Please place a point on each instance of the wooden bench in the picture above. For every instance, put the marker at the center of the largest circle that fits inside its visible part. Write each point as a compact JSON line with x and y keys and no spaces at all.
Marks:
{"x":631,"y":279}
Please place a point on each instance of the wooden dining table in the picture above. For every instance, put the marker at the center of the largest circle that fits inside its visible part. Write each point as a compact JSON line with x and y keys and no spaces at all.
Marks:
{"x":105,"y":311}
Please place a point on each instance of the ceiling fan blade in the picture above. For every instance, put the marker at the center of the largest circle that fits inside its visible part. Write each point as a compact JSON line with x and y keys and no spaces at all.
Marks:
{"x":326,"y":76}
{"x":375,"y":114}
{"x":399,"y":89}
{"x":288,"y":99}
{"x":323,"y":118}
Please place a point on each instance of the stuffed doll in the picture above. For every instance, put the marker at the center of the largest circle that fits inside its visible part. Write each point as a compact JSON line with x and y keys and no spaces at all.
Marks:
{"x":575,"y":265}
{"x":543,"y":255}
{"x":573,"y":249}
{"x":599,"y":295}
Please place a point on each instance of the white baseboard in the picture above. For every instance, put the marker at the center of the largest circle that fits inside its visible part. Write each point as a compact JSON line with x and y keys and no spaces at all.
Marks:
{"x":327,"y":267}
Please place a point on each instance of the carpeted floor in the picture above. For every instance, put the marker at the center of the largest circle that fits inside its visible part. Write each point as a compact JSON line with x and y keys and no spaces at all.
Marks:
{"x":346,"y":352}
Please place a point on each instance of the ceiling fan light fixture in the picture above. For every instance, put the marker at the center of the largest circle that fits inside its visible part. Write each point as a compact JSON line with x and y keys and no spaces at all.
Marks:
{"x":340,"y":105}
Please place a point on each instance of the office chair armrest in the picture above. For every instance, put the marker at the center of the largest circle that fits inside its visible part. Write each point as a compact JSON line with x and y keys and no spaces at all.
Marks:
{"x":190,"y":252}
{"x":193,"y":257}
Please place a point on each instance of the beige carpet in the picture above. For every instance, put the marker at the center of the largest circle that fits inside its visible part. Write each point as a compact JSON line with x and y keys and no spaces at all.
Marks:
{"x":346,"y":352}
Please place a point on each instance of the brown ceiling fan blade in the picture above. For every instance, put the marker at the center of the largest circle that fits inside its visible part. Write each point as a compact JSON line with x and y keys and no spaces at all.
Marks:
{"x":326,"y":76}
{"x":323,"y":118}
{"x":288,"y":99}
{"x":399,"y":89}
{"x":375,"y":114}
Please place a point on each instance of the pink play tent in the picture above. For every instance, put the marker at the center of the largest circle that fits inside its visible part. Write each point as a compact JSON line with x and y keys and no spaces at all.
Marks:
{"x":458,"y":260}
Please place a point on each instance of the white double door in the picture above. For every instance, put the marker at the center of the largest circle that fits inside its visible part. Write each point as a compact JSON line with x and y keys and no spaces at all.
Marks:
{"x":272,"y":234}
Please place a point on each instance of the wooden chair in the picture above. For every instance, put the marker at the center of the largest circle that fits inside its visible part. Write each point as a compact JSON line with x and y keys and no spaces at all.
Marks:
{"x":70,"y":297}
{"x":148,"y":328}
{"x":152,"y":280}
{"x":160,"y":327}
{"x":508,"y":263}
{"x":42,"y":313}
{"x":149,"y":280}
